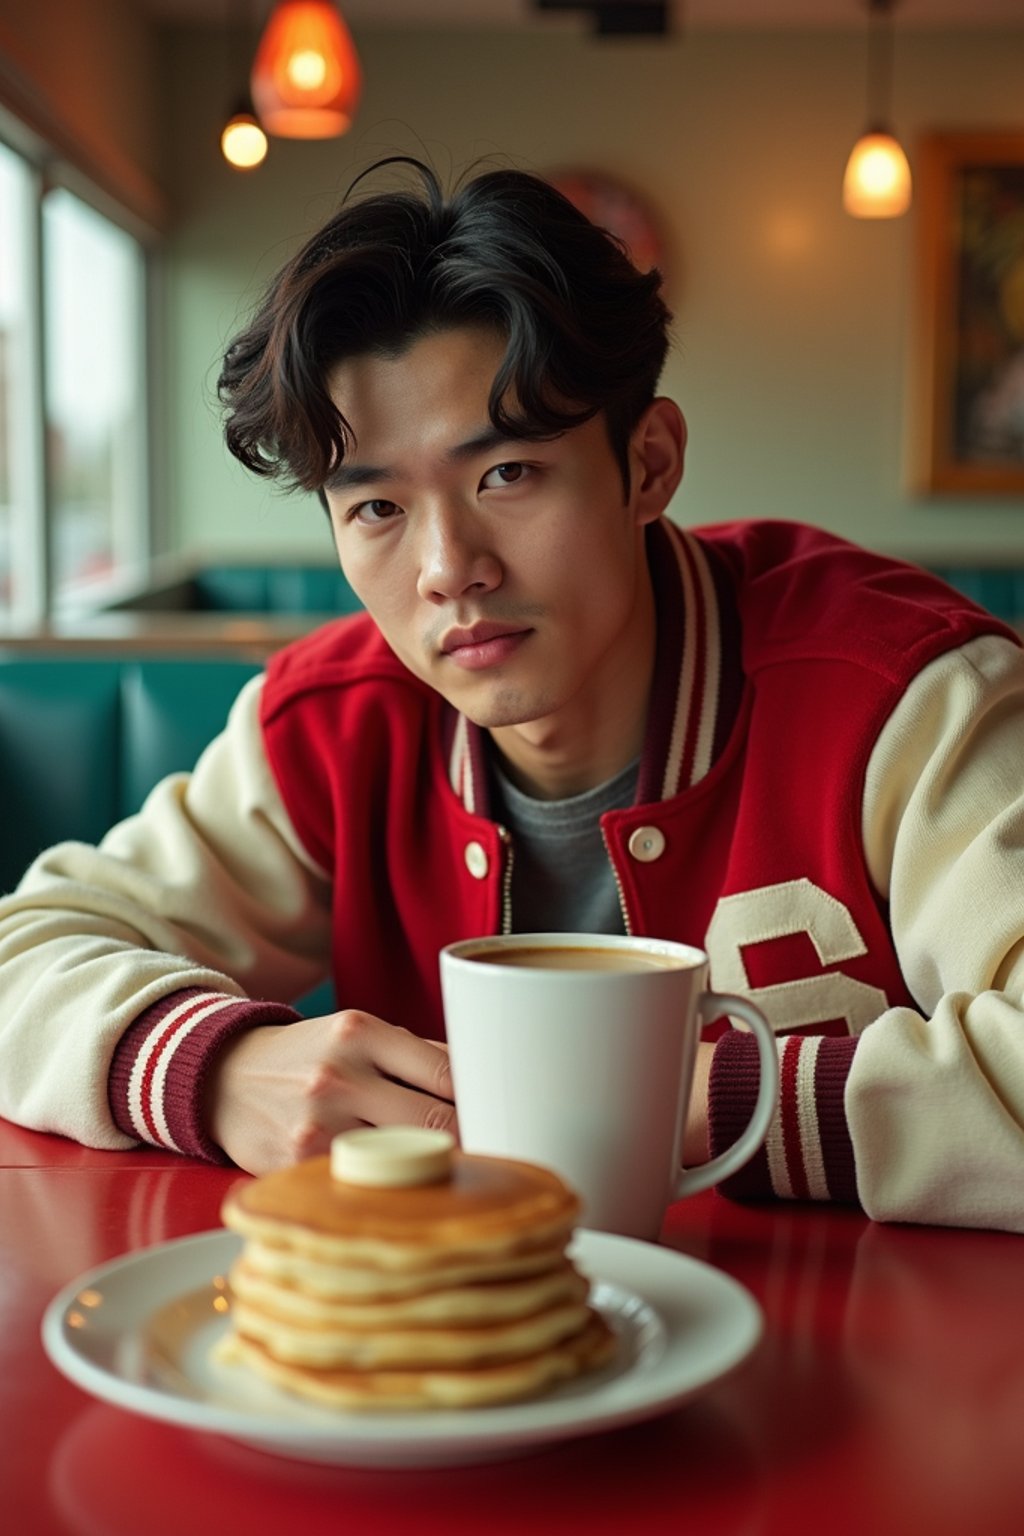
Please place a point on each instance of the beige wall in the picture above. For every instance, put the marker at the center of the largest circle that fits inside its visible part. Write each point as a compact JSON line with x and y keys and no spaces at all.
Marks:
{"x":794,"y":337}
{"x":793,"y":340}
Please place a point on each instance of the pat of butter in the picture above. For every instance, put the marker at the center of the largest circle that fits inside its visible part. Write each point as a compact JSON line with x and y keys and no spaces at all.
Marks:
{"x":390,"y":1156}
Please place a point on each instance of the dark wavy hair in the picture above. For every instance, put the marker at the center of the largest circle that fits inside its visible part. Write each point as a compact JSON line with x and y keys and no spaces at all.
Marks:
{"x":584,"y":331}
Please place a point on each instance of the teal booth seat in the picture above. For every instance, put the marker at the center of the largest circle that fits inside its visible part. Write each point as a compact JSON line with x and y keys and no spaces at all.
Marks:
{"x":243,"y":588}
{"x":320,"y":589}
{"x":84,"y":737}
{"x":999,"y":589}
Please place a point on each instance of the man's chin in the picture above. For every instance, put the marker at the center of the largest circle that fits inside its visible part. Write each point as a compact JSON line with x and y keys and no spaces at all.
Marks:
{"x":502,"y":709}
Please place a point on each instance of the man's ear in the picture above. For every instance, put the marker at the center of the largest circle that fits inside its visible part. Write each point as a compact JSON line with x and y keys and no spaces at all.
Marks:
{"x":657,"y":448}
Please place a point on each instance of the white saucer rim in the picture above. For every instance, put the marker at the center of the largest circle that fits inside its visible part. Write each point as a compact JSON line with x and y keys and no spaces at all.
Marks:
{"x":662,"y":1277}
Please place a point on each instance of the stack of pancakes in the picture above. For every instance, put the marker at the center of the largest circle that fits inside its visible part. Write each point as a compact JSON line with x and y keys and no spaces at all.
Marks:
{"x":396,"y":1294}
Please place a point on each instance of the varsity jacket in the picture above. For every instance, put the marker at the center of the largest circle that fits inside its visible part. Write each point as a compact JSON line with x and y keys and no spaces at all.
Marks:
{"x":829,"y":800}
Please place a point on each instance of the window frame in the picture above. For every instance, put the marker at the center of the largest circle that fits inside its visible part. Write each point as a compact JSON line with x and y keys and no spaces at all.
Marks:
{"x":36,"y":605}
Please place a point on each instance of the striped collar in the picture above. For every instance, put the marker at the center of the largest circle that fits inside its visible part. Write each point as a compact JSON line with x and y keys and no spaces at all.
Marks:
{"x":696,"y":686}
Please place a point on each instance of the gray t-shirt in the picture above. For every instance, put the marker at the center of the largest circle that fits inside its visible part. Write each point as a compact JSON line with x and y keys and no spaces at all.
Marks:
{"x":562,"y":881}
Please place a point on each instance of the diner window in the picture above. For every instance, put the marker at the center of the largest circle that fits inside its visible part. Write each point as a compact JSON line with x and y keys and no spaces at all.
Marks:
{"x":74,"y":504}
{"x":18,"y":501}
{"x":93,"y":308}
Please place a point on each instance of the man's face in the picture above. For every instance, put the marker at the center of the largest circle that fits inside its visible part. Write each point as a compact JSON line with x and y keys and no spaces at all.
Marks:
{"x":509,"y":575}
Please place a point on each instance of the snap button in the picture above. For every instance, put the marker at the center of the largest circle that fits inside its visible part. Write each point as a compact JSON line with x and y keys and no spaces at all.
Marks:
{"x":647,"y":844}
{"x":477,"y":861}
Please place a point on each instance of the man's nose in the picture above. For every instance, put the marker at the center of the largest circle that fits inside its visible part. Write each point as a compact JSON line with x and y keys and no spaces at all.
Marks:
{"x":456,"y":555}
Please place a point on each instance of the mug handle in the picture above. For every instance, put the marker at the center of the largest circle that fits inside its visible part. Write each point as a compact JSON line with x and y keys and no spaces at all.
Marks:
{"x":712,"y":1006}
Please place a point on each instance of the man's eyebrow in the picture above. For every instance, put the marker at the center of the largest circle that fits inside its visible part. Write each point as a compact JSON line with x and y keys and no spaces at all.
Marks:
{"x":350,"y":476}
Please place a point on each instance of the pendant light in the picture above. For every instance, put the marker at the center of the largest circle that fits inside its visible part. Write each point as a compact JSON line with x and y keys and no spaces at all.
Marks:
{"x":306,"y":78}
{"x":243,"y":142}
{"x":877,"y":180}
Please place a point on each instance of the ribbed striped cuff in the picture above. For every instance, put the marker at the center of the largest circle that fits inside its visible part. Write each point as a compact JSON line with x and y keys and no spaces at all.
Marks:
{"x":807,"y":1154}
{"x":159,"y":1068}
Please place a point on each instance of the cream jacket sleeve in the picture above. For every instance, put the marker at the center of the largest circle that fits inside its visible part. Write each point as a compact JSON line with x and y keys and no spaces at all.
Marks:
{"x":935,"y":1098}
{"x":207,"y":887}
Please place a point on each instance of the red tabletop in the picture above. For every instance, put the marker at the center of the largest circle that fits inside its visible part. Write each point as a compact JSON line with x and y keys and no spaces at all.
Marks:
{"x":887,"y":1395}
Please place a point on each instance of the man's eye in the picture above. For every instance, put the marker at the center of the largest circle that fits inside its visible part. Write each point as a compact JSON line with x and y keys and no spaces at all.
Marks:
{"x":376,"y":511}
{"x":504,"y":474}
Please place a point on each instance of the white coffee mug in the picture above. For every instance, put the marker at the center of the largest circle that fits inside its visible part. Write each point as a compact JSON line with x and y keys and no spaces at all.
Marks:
{"x":577,"y":1051}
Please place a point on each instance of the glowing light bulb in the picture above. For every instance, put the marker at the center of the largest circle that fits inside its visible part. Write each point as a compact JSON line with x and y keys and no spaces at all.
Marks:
{"x":307,"y":70}
{"x":243,"y":142}
{"x":877,"y":181}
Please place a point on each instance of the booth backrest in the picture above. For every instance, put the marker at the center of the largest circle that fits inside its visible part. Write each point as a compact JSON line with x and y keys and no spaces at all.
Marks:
{"x":315,"y":589}
{"x":83,"y":738}
{"x":999,"y":589}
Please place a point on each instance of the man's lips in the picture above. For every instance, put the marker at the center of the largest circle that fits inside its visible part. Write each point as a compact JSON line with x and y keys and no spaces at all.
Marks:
{"x":484,"y":645}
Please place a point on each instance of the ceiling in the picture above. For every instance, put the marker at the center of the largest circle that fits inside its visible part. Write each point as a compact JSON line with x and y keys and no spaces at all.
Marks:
{"x":761,"y":14}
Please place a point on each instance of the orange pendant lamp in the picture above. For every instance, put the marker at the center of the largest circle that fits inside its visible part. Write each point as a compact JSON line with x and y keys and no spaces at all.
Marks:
{"x":306,"y":78}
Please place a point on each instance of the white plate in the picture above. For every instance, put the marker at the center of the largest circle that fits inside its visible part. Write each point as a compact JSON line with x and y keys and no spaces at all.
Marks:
{"x":138,"y":1332}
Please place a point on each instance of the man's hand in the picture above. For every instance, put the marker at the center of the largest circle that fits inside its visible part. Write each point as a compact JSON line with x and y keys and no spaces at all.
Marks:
{"x":279,"y":1093}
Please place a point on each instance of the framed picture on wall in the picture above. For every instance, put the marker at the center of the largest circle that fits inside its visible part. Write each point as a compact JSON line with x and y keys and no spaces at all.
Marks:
{"x":608,"y":201}
{"x":970,"y":214}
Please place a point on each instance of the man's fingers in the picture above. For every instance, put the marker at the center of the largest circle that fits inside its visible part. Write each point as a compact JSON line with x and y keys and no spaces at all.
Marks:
{"x":380,"y":1074}
{"x":397,"y":1053}
{"x":390,"y":1103}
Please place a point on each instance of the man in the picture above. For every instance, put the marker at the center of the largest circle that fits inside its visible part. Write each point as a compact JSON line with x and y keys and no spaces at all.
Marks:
{"x":560,"y":711}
